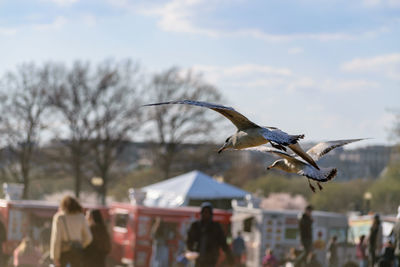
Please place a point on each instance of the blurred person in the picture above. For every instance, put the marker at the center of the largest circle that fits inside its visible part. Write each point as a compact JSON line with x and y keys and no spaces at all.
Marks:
{"x":319,"y":248}
{"x":396,"y":237}
{"x":290,"y":257}
{"x":45,"y":236}
{"x":70,"y":234}
{"x":375,"y":240}
{"x":44,"y":243}
{"x":387,"y":258}
{"x":160,"y":250}
{"x":332,"y":254}
{"x":305,"y":227}
{"x":361,"y":252}
{"x":26,"y":254}
{"x":95,"y":254}
{"x":238,"y":248}
{"x":320,"y":242}
{"x":312,"y":260}
{"x":3,"y":238}
{"x":180,"y":258}
{"x":206,"y":237}
{"x":269,"y":259}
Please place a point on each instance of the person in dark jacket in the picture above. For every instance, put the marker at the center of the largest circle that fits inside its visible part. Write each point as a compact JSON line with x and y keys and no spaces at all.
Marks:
{"x":95,"y":254}
{"x":387,"y":258}
{"x":206,"y":237}
{"x":375,"y":240}
{"x":305,"y":227}
{"x":238,"y":248}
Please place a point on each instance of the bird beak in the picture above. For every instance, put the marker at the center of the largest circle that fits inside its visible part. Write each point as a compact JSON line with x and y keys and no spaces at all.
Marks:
{"x":221,"y":149}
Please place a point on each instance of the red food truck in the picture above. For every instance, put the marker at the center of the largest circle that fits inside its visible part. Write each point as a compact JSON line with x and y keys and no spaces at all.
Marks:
{"x":19,"y":218}
{"x":131,"y":230}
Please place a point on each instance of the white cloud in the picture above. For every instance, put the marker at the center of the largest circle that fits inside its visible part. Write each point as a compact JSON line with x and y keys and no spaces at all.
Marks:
{"x":58,"y":23}
{"x":302,"y":83}
{"x":258,"y":34}
{"x":254,"y":68}
{"x":295,"y":50}
{"x":384,"y":3}
{"x":89,"y":20}
{"x":63,"y":2}
{"x":251,"y":74}
{"x":179,"y":16}
{"x":387,"y":65}
{"x":351,"y":86}
{"x":8,"y":31}
{"x":263,"y":76}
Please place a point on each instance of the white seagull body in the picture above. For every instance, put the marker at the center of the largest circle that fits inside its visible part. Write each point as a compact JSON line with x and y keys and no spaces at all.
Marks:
{"x":248,"y":133}
{"x":292,"y":164}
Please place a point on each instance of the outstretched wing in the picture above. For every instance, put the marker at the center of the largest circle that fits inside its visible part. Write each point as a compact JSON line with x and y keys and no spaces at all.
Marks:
{"x":240,"y":121}
{"x":323,"y":175}
{"x":276,"y":152}
{"x":278,"y":136}
{"x":319,"y":150}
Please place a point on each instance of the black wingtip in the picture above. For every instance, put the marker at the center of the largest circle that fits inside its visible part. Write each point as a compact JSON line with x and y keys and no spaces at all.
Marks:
{"x":332,"y":174}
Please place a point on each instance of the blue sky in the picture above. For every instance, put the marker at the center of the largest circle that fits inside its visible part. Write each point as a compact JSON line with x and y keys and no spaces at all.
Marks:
{"x":329,"y":69}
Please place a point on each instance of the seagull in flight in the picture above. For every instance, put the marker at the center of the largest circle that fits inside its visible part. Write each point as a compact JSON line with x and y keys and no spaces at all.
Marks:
{"x":293,"y":164}
{"x":248,"y":133}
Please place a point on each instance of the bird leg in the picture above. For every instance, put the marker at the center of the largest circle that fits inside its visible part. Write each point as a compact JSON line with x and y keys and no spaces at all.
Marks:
{"x":320,"y":186}
{"x":311,"y":186}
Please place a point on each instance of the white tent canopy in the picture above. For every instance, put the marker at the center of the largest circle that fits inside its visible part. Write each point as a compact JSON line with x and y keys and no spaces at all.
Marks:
{"x":194,"y":185}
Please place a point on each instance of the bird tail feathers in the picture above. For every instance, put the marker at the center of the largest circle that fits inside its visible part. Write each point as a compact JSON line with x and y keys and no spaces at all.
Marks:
{"x":328,"y":174}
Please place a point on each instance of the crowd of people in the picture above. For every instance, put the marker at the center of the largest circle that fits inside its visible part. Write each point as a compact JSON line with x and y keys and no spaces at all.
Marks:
{"x":371,"y":250}
{"x":75,"y":240}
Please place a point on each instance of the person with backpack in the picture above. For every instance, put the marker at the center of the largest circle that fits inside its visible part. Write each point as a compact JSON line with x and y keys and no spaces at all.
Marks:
{"x":95,"y":254}
{"x":70,"y":234}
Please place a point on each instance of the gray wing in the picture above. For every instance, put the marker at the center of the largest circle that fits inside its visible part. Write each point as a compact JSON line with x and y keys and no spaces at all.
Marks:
{"x":323,"y":175}
{"x":319,"y":150}
{"x":240,"y":121}
{"x":276,"y":152}
{"x":280,"y":137}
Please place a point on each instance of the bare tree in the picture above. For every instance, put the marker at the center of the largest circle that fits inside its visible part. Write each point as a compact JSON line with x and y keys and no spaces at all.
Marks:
{"x":176,"y":124}
{"x":100,"y":109}
{"x":116,"y":114}
{"x":395,"y":130}
{"x":73,"y":99}
{"x":22,"y":119}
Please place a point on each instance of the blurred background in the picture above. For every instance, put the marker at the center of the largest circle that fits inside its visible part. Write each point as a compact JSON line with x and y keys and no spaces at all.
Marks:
{"x":75,"y":73}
